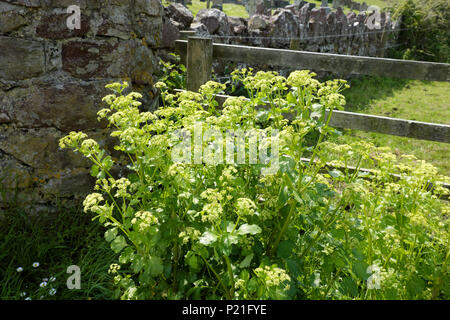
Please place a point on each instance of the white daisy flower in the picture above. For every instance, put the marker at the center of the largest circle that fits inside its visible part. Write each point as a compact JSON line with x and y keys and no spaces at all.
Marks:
{"x":28,"y":298}
{"x":43,"y":284}
{"x":52,"y":279}
{"x":45,"y":279}
{"x":35,"y":264}
{"x":19,"y":269}
{"x":52,"y":291}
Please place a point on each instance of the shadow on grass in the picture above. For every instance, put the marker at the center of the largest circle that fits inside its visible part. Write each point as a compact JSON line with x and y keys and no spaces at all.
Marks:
{"x":364,"y":90}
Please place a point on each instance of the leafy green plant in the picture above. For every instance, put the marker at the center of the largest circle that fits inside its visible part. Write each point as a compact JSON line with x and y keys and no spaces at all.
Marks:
{"x":425,"y":31}
{"x":225,"y":230}
{"x":173,"y":74}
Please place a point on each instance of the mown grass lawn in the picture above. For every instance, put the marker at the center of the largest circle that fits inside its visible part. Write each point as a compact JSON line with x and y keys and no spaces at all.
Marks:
{"x":406,"y":99}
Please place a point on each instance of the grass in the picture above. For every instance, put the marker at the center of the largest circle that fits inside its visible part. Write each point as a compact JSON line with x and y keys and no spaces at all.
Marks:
{"x":56,"y":241}
{"x":406,"y":99}
{"x":236,"y":10}
{"x":230,"y":9}
{"x":380,"y":3}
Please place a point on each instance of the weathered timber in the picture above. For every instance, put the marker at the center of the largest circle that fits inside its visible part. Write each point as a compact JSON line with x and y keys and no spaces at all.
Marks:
{"x":346,"y":119}
{"x":371,"y":123}
{"x":199,"y":62}
{"x":336,"y":63}
{"x":395,"y":176}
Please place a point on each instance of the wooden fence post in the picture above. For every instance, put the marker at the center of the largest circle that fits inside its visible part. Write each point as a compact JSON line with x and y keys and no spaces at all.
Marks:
{"x":184,"y":35}
{"x":199,"y":62}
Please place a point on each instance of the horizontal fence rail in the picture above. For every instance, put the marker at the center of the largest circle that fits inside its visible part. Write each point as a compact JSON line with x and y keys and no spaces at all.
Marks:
{"x":352,"y":120}
{"x":342,"y":64}
{"x":370,"y":123}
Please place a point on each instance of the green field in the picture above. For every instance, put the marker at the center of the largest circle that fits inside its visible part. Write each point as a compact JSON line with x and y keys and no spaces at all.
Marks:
{"x":412,"y":100}
{"x":232,"y":9}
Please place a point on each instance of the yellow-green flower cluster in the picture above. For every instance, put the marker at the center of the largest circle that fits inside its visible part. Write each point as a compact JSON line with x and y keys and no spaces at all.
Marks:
{"x":245,"y":207}
{"x":72,"y":140}
{"x":89,"y":147}
{"x":114,"y":268}
{"x":211,"y":88}
{"x":273,"y":276}
{"x":121,"y":185}
{"x":189,"y":233}
{"x":302,"y":78}
{"x":212,"y":212}
{"x":143,"y":220}
{"x":91,"y":201}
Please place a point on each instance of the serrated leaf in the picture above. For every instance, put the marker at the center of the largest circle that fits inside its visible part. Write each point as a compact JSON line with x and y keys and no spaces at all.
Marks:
{"x":285,"y":249}
{"x":349,"y":287}
{"x":336,"y":173}
{"x":94,"y":170}
{"x":118,"y":244}
{"x":127,"y":255}
{"x":137,"y":264}
{"x":110,"y":234}
{"x":207,"y":238}
{"x":360,"y":269}
{"x":246,"y":262}
{"x":249,"y":229}
{"x":155,"y":265}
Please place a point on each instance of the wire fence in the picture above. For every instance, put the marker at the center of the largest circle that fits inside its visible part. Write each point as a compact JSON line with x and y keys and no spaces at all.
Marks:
{"x":309,"y":38}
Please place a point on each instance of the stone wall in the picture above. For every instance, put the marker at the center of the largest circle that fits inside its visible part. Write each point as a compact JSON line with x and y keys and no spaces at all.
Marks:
{"x":316,"y":29}
{"x":52,"y":80}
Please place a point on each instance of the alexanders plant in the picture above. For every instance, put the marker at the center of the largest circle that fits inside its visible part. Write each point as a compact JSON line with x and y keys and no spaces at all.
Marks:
{"x":227,"y":231}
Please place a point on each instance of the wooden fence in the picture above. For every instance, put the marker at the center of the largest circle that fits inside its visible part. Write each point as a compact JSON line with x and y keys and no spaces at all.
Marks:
{"x":198,"y":53}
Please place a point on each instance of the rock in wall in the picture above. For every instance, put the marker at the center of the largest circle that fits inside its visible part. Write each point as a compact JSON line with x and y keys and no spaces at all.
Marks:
{"x":315,"y":29}
{"x":52,"y":80}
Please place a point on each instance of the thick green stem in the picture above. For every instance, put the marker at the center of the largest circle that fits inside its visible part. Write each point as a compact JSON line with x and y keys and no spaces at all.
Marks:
{"x":274,"y":247}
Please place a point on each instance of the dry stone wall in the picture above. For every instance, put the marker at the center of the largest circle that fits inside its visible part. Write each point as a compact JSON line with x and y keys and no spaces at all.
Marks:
{"x":52,"y":80}
{"x":316,"y":29}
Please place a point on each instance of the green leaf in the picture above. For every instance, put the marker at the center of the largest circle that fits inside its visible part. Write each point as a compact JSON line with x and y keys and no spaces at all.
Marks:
{"x":249,"y":229}
{"x":127,"y":255}
{"x":94,"y":170}
{"x":111,"y":234}
{"x":118,"y":244}
{"x":192,"y":261}
{"x":349,"y":287}
{"x":285,"y":249}
{"x":283,"y":196}
{"x":262,"y":116}
{"x":360,"y":269}
{"x":336,"y":173}
{"x":207,"y":238}
{"x":137,"y":264}
{"x":290,"y":98}
{"x":415,"y":286}
{"x":246,"y":262}
{"x":155,"y":265}
{"x":293,"y":267}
